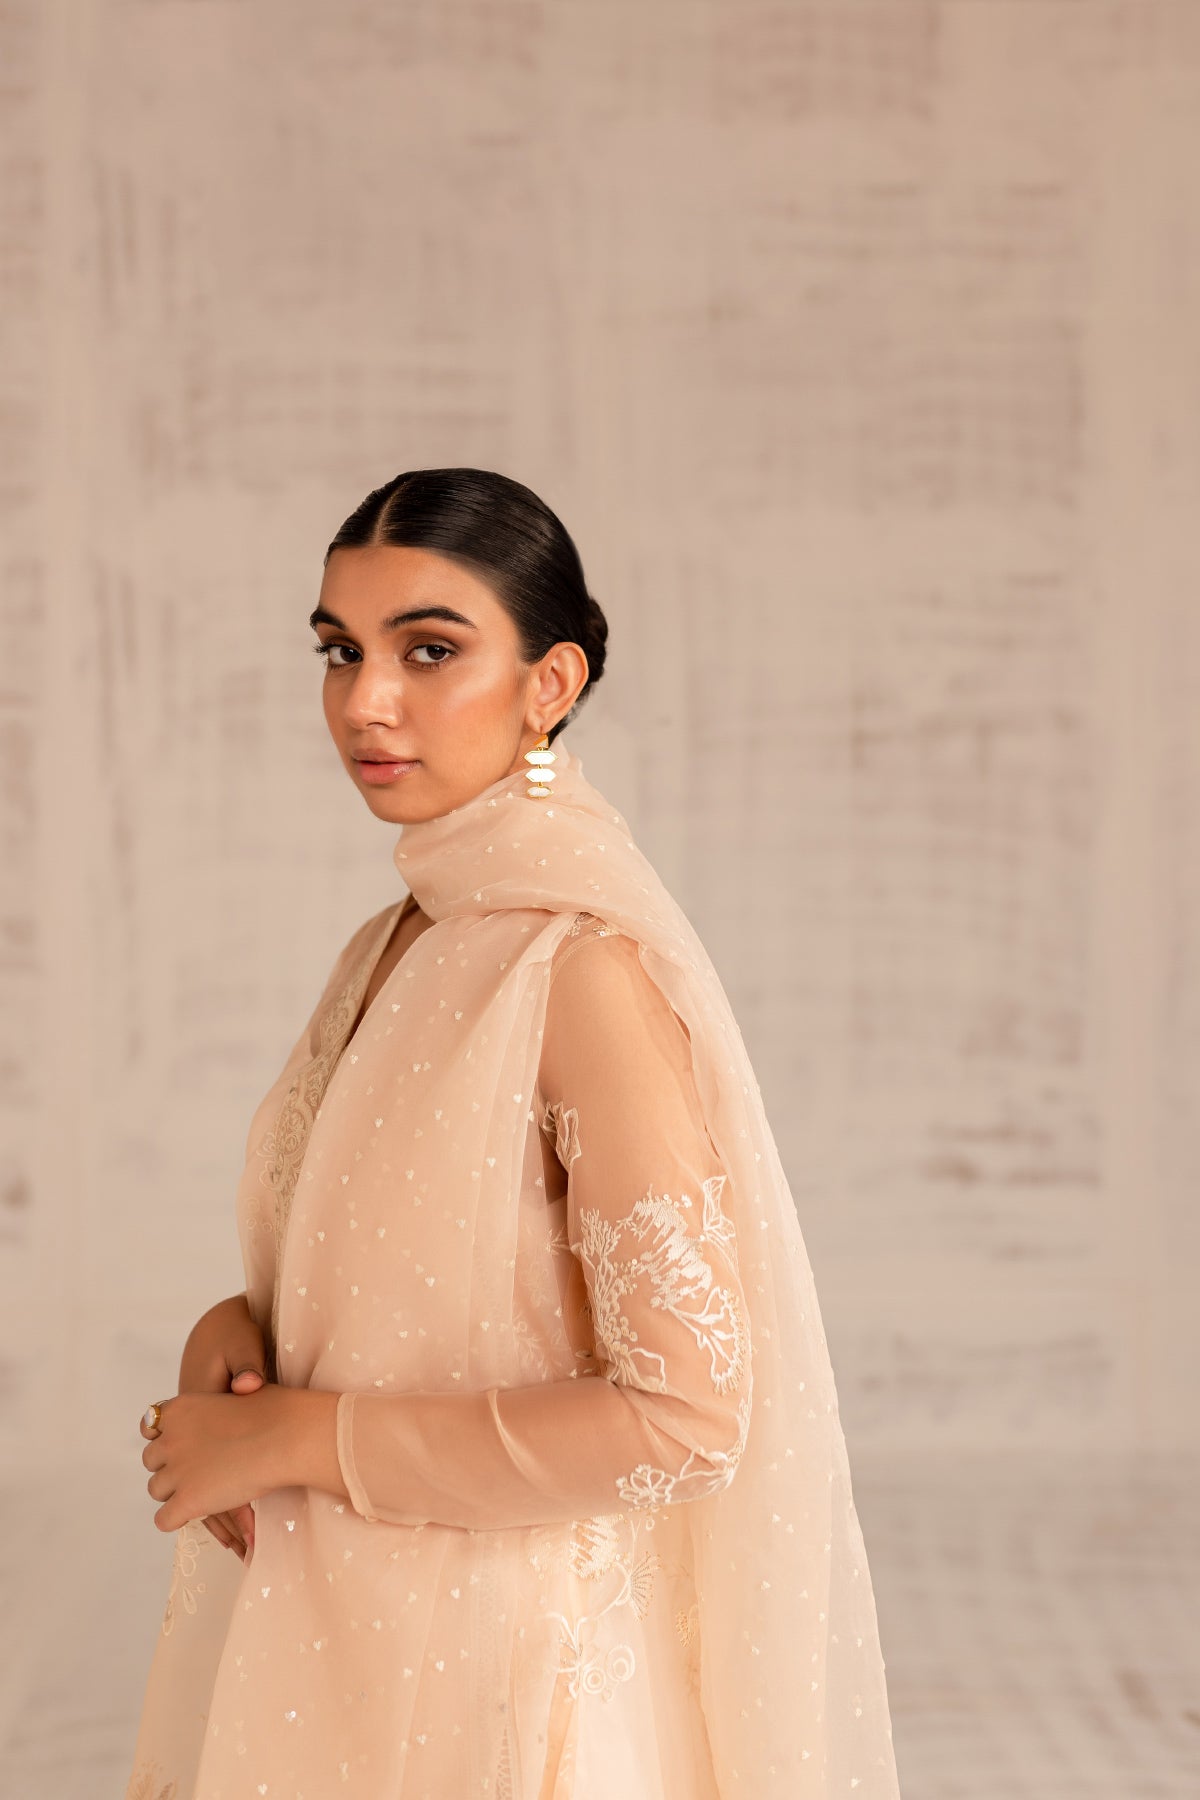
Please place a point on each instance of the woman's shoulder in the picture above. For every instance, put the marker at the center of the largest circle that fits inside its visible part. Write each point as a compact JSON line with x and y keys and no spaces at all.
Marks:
{"x":606,"y":1011}
{"x":599,"y":980}
{"x":602,"y":941}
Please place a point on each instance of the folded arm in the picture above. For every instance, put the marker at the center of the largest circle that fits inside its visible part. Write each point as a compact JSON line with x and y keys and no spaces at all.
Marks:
{"x":664,"y":1419}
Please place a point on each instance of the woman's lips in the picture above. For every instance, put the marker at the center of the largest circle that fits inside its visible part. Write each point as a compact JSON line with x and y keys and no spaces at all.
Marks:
{"x":377,"y":773}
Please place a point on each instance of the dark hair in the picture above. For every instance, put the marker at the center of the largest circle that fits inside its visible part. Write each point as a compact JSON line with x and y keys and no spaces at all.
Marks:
{"x":503,"y":533}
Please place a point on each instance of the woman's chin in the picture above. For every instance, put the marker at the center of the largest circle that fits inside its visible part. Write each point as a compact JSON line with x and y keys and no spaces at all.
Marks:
{"x":393,"y":808}
{"x":398,"y":803}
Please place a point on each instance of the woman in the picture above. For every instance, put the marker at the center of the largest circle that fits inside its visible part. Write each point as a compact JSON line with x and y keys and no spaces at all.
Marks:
{"x":511,"y":1513}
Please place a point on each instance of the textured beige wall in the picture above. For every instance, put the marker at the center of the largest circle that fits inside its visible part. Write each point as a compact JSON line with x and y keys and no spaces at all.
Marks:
{"x":855,"y":343}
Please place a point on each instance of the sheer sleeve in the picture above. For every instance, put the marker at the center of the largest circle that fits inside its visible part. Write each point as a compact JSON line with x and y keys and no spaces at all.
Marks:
{"x":663,"y":1417}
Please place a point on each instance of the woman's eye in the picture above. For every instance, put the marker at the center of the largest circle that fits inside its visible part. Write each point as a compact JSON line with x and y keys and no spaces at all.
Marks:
{"x":327,"y":650}
{"x":441,"y":659}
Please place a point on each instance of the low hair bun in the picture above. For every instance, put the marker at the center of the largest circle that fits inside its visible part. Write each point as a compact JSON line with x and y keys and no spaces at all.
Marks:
{"x":595,"y":639}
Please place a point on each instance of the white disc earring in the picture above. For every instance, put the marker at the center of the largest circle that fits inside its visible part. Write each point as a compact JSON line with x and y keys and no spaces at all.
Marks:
{"x":540,"y":775}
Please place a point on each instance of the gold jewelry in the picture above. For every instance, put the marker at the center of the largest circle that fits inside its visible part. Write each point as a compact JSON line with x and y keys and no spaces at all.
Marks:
{"x":540,"y":776}
{"x":152,"y":1416}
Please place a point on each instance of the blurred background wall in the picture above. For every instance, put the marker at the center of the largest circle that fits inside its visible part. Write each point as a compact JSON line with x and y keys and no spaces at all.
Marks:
{"x":855,"y":343}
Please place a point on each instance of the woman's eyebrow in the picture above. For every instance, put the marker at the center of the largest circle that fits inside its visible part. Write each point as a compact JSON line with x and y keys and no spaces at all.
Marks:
{"x":322,"y":616}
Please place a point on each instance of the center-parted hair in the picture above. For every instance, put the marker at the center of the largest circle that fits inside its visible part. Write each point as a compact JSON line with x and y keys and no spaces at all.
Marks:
{"x":499,"y":530}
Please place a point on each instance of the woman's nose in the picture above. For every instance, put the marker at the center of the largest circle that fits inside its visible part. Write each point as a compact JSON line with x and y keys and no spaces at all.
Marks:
{"x":374,"y":694}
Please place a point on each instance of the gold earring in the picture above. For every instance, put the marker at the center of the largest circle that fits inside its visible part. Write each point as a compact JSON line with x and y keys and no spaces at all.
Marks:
{"x":540,"y":775}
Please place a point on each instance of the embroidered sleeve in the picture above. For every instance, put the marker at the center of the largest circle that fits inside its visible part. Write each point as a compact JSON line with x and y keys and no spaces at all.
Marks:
{"x":659,"y":1411}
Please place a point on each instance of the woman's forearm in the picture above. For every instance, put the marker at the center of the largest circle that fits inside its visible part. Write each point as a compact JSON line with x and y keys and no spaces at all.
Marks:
{"x":305,"y":1453}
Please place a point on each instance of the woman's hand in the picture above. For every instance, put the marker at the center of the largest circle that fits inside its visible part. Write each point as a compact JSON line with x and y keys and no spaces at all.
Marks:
{"x":213,"y":1453}
{"x":225,"y":1353}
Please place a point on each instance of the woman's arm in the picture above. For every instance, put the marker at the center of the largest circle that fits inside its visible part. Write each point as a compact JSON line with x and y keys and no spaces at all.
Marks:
{"x":649,"y":1218}
{"x":222,"y":1343}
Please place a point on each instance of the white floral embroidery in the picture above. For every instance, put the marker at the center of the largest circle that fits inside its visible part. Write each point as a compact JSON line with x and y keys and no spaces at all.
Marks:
{"x":562,"y":1123}
{"x":704,"y":1472}
{"x":590,"y":1671}
{"x":717,"y":1227}
{"x":673,"y":1261}
{"x":185,"y":1589}
{"x":533,"y":1353}
{"x":598,"y":1548}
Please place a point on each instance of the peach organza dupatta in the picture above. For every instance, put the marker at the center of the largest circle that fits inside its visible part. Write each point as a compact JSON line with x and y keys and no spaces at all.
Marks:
{"x":405,"y":1246}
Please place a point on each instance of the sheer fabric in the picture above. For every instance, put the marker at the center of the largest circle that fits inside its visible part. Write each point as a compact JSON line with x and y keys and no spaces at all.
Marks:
{"x":528,"y":1220}
{"x":643,"y":1271}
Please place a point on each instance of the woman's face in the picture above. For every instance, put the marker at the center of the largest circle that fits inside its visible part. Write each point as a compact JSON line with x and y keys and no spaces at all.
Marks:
{"x":423,"y":669}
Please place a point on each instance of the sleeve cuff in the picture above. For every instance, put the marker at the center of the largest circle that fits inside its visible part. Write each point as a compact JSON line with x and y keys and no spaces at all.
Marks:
{"x":359,"y":1499}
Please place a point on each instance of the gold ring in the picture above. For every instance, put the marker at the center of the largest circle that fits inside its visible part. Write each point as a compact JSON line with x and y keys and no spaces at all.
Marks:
{"x":152,"y":1416}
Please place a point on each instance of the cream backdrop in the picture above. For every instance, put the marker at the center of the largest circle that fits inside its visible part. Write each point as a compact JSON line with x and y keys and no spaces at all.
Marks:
{"x":855,"y":344}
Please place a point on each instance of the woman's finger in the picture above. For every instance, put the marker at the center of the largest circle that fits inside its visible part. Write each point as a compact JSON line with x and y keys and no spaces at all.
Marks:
{"x":241,"y":1518}
{"x":235,"y":1542}
{"x":229,"y":1525}
{"x":223,"y":1538}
